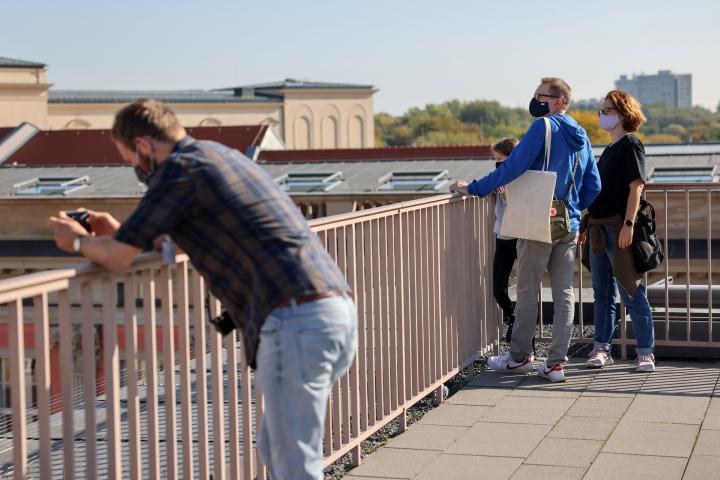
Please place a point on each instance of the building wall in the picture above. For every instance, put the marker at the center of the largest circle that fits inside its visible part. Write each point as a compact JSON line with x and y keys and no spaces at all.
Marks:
{"x":329,"y":119}
{"x":23,"y":96}
{"x":100,"y":115}
{"x":665,"y":87}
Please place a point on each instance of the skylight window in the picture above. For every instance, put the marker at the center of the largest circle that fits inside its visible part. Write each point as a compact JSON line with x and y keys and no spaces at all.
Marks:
{"x":415,"y":180}
{"x":310,"y":182}
{"x":685,"y":174}
{"x":51,"y":185}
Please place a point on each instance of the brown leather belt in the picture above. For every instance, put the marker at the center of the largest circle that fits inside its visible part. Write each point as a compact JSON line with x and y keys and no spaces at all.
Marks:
{"x":300,"y":299}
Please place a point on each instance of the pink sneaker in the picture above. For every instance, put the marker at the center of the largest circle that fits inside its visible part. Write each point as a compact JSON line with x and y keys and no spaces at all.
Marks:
{"x":599,"y":358}
{"x":645,"y":362}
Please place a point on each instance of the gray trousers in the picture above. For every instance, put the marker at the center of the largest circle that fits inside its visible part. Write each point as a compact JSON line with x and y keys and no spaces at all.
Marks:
{"x":534,"y":258}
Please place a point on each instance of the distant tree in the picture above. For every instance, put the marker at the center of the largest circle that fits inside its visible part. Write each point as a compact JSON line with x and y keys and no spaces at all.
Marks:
{"x":589,"y":121}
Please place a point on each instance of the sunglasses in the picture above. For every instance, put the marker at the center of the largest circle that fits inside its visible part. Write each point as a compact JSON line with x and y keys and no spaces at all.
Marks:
{"x":605,"y":111}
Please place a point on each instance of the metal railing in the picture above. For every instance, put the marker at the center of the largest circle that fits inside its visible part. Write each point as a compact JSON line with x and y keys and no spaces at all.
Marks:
{"x":684,"y":291}
{"x":420,"y":272}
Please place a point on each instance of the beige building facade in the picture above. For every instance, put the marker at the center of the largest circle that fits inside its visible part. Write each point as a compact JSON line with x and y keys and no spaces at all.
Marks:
{"x":304,"y":114}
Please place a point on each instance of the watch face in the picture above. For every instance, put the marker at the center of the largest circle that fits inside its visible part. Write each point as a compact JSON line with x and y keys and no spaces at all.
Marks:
{"x":629,"y":223}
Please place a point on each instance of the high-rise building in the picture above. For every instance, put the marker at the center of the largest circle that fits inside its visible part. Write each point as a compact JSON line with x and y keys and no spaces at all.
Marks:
{"x":665,"y":87}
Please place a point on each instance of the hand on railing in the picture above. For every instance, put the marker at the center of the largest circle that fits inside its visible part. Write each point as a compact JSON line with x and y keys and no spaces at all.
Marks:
{"x":582,"y":237}
{"x":459,"y":186}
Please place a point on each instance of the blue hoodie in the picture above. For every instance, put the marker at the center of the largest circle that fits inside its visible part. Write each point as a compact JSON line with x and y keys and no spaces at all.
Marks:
{"x":567,"y":138}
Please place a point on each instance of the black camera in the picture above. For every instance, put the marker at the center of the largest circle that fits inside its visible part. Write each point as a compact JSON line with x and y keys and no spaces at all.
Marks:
{"x":82,"y":217}
{"x":223,"y":324}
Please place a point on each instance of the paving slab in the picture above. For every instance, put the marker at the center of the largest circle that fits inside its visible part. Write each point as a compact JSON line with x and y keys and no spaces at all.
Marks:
{"x":427,"y":437}
{"x":702,"y":467}
{"x":583,"y":428}
{"x":479,"y":396}
{"x":469,"y":467}
{"x":645,"y":467}
{"x":493,"y":379}
{"x":457,"y":415}
{"x":712,"y":416}
{"x":708,"y":443}
{"x":601,"y":407}
{"x":565,"y":452}
{"x":667,"y":409}
{"x":536,"y":410}
{"x":616,"y":383}
{"x":500,"y":439}
{"x":547,"y":472}
{"x":658,"y":439}
{"x":395,"y":463}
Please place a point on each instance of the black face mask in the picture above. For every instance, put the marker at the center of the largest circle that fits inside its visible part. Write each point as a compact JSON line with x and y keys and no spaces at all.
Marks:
{"x":143,"y":176}
{"x":497,"y":164}
{"x":538,"y":109}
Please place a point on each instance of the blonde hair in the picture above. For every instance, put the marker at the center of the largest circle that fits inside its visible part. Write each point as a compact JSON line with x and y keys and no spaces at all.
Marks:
{"x":558,"y":87}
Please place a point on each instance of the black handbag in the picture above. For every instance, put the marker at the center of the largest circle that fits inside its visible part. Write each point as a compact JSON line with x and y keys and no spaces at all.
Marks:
{"x":646,"y":247}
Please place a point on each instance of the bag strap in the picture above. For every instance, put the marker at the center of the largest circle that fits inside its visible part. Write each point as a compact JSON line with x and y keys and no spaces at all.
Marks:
{"x":572,"y":179}
{"x":548,"y":142}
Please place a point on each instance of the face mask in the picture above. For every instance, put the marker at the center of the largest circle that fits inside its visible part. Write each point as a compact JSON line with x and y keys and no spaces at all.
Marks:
{"x":143,"y":176}
{"x":538,"y":109}
{"x":497,"y":164}
{"x":608,"y":122}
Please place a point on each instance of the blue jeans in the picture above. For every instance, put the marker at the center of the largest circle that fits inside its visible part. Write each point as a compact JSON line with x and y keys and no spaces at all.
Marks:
{"x":303,"y":350}
{"x":605,"y":287}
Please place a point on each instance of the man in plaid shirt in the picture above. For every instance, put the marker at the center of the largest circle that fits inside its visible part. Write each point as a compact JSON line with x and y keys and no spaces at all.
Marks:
{"x":247,"y":238}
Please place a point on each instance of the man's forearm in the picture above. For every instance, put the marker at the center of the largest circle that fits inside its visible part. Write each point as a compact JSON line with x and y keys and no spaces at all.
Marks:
{"x":108,"y":252}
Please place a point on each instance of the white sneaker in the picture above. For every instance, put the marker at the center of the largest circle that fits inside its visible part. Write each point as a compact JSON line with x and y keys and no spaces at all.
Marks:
{"x":504,"y":363}
{"x":645,"y":362}
{"x":599,"y":358}
{"x":554,"y":374}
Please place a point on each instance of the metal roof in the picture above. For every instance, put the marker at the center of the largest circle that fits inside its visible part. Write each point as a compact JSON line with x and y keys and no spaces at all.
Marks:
{"x":357,"y":177}
{"x":296,"y":83}
{"x":673,"y":149}
{"x":168,"y":96}
{"x":374,"y":154}
{"x":15,"y":63}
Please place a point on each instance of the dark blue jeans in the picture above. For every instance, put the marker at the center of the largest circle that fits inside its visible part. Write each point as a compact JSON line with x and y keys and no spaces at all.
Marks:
{"x":605,"y":288}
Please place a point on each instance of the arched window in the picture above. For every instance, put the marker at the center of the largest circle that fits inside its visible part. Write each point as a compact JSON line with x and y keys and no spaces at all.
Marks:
{"x":356,"y":134}
{"x":329,"y":132}
{"x":77,"y":124}
{"x":210,"y":122}
{"x":302,"y":133}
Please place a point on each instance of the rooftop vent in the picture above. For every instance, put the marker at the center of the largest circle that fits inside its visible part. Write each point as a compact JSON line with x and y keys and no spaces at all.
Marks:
{"x":432,"y":180}
{"x":309,"y":182}
{"x":685,"y":174}
{"x":51,"y":185}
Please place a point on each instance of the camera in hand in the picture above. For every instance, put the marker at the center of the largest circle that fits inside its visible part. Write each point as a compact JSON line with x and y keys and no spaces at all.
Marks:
{"x":223,"y":324}
{"x":80,"y":216}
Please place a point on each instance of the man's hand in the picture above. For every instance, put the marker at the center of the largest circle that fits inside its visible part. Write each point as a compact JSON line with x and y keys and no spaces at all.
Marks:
{"x":65,"y":231}
{"x":459,"y":186}
{"x":582,"y":238}
{"x":103,"y":224}
{"x":625,"y":237}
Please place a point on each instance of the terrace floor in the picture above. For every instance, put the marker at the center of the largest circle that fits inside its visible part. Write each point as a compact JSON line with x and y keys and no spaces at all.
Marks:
{"x":613,"y":423}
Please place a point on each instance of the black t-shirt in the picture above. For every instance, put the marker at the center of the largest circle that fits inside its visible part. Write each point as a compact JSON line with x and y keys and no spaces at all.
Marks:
{"x":620,"y":164}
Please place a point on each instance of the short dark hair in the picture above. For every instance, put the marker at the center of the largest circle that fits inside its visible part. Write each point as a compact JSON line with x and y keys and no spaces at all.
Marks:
{"x":558,"y":87}
{"x":629,"y":109}
{"x":145,"y":117}
{"x":504,"y":146}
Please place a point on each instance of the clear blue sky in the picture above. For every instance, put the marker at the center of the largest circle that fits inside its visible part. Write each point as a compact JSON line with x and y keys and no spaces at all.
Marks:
{"x":414,"y":52}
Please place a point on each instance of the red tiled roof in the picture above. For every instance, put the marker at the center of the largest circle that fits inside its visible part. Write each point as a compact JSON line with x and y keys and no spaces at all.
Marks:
{"x":374,"y":154}
{"x":95,"y":147}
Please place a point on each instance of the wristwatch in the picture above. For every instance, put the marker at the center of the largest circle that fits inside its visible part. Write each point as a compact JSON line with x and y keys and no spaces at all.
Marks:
{"x":629,"y":223}
{"x":77,"y":243}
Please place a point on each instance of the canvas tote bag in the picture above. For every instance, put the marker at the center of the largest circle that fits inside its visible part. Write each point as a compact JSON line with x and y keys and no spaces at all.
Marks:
{"x":529,"y":199}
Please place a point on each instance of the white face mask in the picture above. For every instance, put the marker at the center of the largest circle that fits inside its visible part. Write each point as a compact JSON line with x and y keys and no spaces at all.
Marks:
{"x":608,"y":122}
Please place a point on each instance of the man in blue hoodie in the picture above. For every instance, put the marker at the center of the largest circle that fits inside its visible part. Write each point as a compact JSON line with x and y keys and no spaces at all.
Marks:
{"x":551,"y":100}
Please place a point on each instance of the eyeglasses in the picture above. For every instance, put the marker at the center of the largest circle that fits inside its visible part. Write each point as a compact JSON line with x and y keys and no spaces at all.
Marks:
{"x":605,"y":111}
{"x":538,"y":95}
